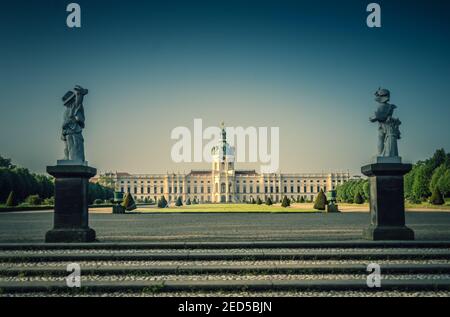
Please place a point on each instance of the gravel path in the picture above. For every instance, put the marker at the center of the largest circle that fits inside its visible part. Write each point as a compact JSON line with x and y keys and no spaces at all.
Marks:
{"x":245,"y":294}
{"x":63,"y":264}
{"x":225,"y":277}
{"x":227,"y":251}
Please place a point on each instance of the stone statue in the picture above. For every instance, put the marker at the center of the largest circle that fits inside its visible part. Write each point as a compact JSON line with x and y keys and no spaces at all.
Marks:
{"x":388,"y":126}
{"x":74,"y":124}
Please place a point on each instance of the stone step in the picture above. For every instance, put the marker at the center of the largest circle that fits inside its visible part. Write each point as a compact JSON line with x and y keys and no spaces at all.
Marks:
{"x":227,"y":269}
{"x":186,"y":255}
{"x":226,"y":245}
{"x":221,"y":285}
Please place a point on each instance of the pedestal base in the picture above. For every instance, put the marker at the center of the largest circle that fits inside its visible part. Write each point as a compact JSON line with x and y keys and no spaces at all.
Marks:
{"x":388,"y":233}
{"x":387,"y":203}
{"x":70,"y":235}
{"x":71,"y":217}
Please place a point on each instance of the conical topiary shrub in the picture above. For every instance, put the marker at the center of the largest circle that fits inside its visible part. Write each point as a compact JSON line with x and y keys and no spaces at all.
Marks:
{"x":321,"y":201}
{"x":11,"y":200}
{"x":179,"y":202}
{"x":302,"y":200}
{"x":188,"y":201}
{"x":436,"y":197}
{"x":258,"y":201}
{"x":358,"y":199}
{"x":285,"y":202}
{"x":128,"y":203}
{"x":162,"y":202}
{"x":269,"y":201}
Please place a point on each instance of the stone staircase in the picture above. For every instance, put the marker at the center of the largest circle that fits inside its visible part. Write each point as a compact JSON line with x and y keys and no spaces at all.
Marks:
{"x":226,"y":269}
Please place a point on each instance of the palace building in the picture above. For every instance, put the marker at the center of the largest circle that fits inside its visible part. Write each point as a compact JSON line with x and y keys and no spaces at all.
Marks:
{"x":226,"y":184}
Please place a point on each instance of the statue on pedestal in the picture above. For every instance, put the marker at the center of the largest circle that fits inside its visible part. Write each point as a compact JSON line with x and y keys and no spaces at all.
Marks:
{"x":388,"y":126}
{"x":71,"y":216}
{"x":385,"y":177}
{"x":73,"y":124}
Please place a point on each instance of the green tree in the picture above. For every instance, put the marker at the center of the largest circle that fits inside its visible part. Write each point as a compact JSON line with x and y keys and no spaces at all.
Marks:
{"x":285,"y":202}
{"x":269,"y":201}
{"x":188,"y":201}
{"x":33,"y":200}
{"x":444,"y":183}
{"x":302,"y":200}
{"x":128,"y":202}
{"x":258,"y":201}
{"x":4,"y":162}
{"x":321,"y":201}
{"x":162,"y":202}
{"x":358,"y":199}
{"x":179,"y":202}
{"x":437,"y":174}
{"x":420,"y":185}
{"x":436,"y":197}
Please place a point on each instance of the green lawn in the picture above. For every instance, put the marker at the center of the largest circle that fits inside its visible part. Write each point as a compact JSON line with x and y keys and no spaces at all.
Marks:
{"x":226,"y":208}
{"x":426,"y":205}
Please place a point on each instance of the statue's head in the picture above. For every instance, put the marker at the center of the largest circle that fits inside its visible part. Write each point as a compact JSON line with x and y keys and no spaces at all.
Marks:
{"x":80,"y":90}
{"x":382,"y":95}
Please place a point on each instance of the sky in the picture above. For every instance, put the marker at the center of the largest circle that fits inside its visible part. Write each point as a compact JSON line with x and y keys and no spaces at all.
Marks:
{"x":307,"y":67}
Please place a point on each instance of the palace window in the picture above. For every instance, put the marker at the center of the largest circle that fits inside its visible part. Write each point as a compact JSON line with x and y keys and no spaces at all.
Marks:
{"x":292,"y":189}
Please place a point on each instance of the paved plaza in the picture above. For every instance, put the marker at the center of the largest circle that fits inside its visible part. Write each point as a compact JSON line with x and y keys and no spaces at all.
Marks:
{"x":32,"y":226}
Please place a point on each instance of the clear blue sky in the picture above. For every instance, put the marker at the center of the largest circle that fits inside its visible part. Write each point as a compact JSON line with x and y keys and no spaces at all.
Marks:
{"x":309,"y":67}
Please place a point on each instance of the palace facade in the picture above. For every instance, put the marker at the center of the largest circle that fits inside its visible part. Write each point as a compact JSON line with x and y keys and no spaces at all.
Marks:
{"x":225,"y":184}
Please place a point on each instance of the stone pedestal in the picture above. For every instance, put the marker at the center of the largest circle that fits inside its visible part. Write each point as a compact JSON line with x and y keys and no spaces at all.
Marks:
{"x":71,"y":204}
{"x":118,"y":209}
{"x":387,"y":205}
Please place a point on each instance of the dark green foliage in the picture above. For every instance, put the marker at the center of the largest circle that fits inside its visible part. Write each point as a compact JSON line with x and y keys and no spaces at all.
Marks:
{"x":188,"y":201}
{"x":33,"y":200}
{"x":11,"y":200}
{"x":49,"y":201}
{"x":24,"y":184}
{"x":162,"y":202}
{"x":426,"y":176}
{"x":269,"y":201}
{"x":347,"y":192}
{"x":321,"y":201}
{"x":6,"y":163}
{"x":179,"y":202}
{"x":302,"y":200}
{"x":437,"y":198}
{"x":97,"y":191}
{"x":285,"y":203}
{"x":259,"y":201}
{"x":98,"y":202}
{"x":358,"y":199}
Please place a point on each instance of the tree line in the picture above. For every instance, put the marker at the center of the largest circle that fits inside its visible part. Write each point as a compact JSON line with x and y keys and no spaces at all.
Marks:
{"x":429,"y":180}
{"x":20,"y":185}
